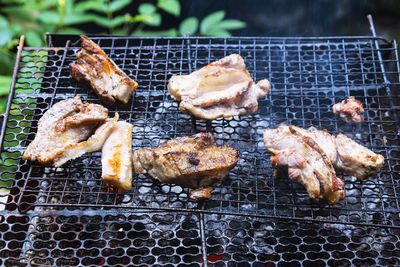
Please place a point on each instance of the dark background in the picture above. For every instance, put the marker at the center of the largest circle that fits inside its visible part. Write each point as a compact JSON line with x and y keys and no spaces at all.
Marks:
{"x":300,"y":17}
{"x":304,"y":17}
{"x":291,"y":17}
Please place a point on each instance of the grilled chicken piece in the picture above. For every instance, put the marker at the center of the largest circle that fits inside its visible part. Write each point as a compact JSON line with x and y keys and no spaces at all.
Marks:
{"x":301,"y":151}
{"x":355,"y":159}
{"x":66,"y":130}
{"x":193,"y":161}
{"x":223,"y":88}
{"x":101,"y":74}
{"x":350,"y":109}
{"x":347,"y":156}
{"x":116,"y":159}
{"x":305,"y":162}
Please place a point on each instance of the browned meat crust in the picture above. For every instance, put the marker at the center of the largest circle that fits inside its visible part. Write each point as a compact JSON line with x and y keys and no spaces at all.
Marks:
{"x":101,"y":74}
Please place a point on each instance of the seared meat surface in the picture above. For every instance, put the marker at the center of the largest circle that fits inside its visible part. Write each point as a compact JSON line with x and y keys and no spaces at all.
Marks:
{"x":192,"y":161}
{"x":305,"y":162}
{"x":223,"y":88}
{"x":350,"y":109}
{"x":101,"y":74}
{"x":309,"y":155}
{"x":116,"y":158}
{"x":347,"y":156}
{"x":355,"y":159}
{"x":68,"y":130}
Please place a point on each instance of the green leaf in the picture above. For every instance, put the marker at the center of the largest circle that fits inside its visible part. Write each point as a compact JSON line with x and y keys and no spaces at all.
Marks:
{"x":3,"y":103}
{"x":5,"y":82}
{"x":101,"y":21}
{"x":117,"y":21}
{"x":77,"y":18}
{"x":6,"y":61}
{"x":218,"y":32}
{"x":152,"y":19}
{"x":3,"y":22}
{"x":118,"y":5}
{"x":50,"y":17}
{"x":231,"y":24}
{"x":42,"y":5}
{"x":166,"y":33}
{"x":83,"y":6}
{"x":170,"y":6}
{"x":211,"y":20}
{"x":147,"y":9}
{"x":33,"y":38}
{"x":5,"y":36}
{"x":189,"y":26}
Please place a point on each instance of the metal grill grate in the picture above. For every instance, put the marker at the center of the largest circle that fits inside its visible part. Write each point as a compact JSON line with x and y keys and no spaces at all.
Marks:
{"x":173,"y":239}
{"x":308,"y":76}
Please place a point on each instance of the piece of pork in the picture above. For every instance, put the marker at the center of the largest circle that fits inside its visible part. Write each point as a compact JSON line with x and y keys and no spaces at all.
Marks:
{"x":192,"y":161}
{"x":305,"y":162}
{"x":61,"y":128}
{"x":95,"y":69}
{"x":350,"y":109}
{"x":116,"y":158}
{"x":347,"y":156}
{"x":221,"y":89}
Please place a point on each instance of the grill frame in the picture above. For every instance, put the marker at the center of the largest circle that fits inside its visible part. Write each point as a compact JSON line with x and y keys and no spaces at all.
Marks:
{"x":202,"y":211}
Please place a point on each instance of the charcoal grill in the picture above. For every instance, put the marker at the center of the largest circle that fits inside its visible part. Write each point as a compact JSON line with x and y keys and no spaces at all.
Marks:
{"x":66,"y":216}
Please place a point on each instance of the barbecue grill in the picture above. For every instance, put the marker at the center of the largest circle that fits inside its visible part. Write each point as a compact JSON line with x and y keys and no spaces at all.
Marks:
{"x":67,"y":216}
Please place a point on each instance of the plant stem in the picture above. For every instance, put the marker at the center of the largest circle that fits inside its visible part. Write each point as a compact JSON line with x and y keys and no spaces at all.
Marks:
{"x":109,"y":16}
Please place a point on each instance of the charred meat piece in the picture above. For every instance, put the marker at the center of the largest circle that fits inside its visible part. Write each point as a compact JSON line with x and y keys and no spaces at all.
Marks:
{"x":347,"y":156}
{"x":305,"y":162}
{"x":193,"y":161}
{"x":101,"y":74}
{"x":350,"y":109}
{"x":68,"y":130}
{"x":116,"y":158}
{"x":221,"y":89}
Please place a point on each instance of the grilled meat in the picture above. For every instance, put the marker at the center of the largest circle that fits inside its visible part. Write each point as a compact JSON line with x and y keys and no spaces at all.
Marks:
{"x":355,"y":159}
{"x":116,"y":159}
{"x":305,"y":162}
{"x":93,"y":143}
{"x":350,"y":109}
{"x":101,"y":74}
{"x":193,"y":161}
{"x":300,"y":151}
{"x":66,"y":130}
{"x":347,"y":156}
{"x":223,"y":88}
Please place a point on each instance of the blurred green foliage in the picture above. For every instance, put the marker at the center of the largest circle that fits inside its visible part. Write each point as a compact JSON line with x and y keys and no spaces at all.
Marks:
{"x":33,"y":18}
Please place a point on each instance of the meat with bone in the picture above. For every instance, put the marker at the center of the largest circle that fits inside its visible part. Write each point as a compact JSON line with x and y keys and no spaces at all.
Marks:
{"x":305,"y":162}
{"x":193,"y":161}
{"x":350,"y":109}
{"x":221,"y":89}
{"x":101,"y":74}
{"x":116,"y":158}
{"x":67,"y":130}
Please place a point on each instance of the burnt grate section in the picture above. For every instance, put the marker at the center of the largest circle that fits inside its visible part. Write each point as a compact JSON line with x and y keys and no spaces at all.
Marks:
{"x":308,"y":76}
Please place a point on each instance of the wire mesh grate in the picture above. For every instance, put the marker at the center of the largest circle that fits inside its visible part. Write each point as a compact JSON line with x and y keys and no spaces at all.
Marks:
{"x":308,"y":75}
{"x":174,"y":239}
